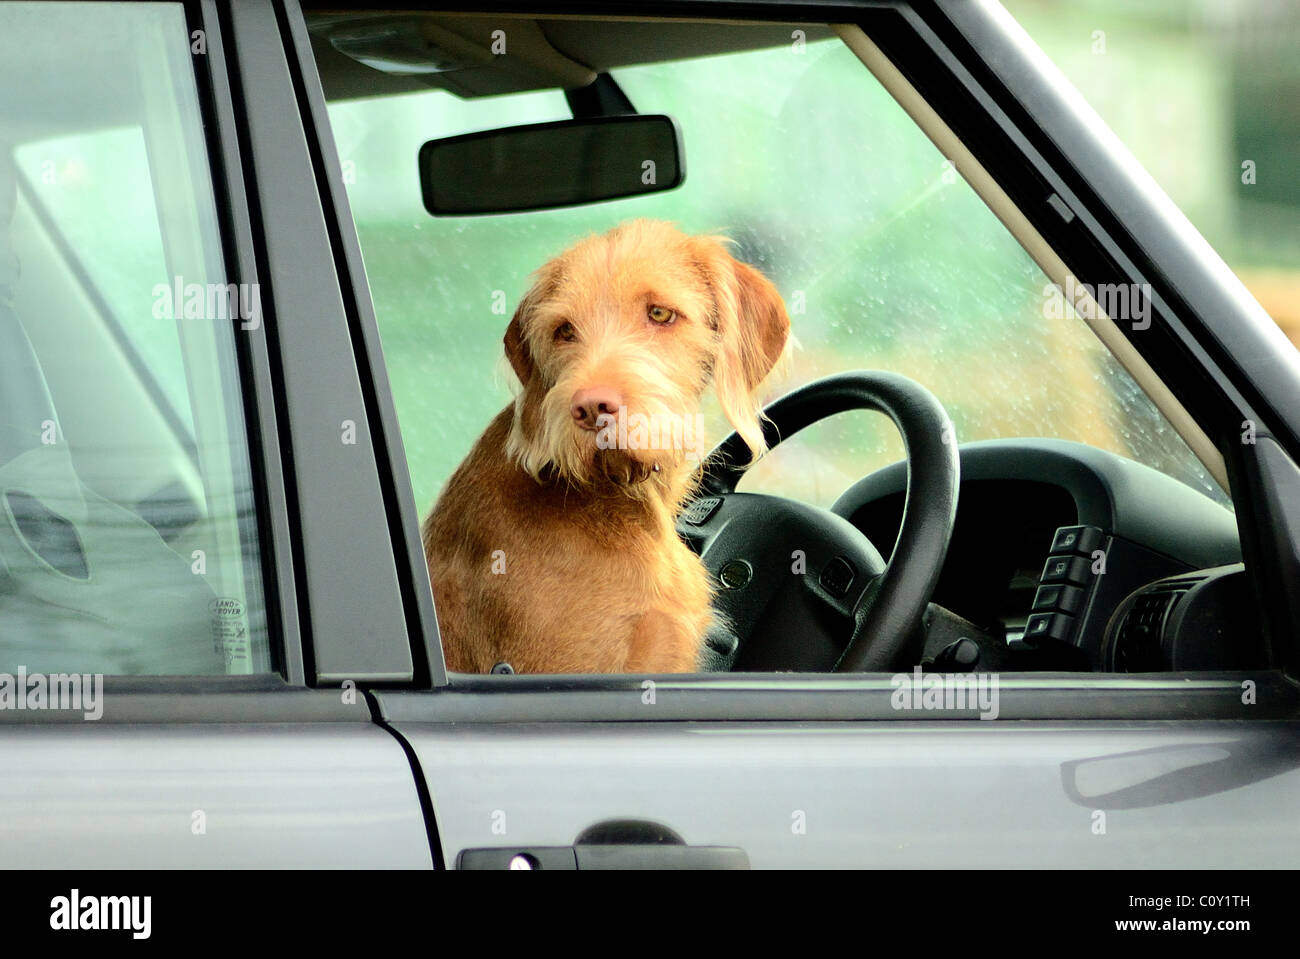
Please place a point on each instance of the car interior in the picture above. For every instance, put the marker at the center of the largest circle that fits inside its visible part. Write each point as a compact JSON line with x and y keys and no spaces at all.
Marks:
{"x":125,"y":508}
{"x":1019,"y":552}
{"x":1023,"y":553}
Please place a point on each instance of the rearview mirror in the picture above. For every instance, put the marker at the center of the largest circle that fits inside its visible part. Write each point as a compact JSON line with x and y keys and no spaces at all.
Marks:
{"x":546,"y":165}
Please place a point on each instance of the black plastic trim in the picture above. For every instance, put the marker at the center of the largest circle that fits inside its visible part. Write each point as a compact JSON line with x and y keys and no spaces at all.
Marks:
{"x":421,"y":785}
{"x":1274,"y":485}
{"x":156,"y":700}
{"x":603,"y":97}
{"x":772,"y":697}
{"x":264,"y":409}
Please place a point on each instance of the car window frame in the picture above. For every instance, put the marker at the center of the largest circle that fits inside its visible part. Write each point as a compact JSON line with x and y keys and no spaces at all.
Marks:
{"x":225,"y":150}
{"x":354,"y":602}
{"x":1177,"y":356}
{"x":394,"y":473}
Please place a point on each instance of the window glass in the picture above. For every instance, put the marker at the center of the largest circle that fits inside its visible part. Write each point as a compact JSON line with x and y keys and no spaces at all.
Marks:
{"x":886,"y":258}
{"x":1221,"y":80}
{"x":128,"y":539}
{"x":100,"y":221}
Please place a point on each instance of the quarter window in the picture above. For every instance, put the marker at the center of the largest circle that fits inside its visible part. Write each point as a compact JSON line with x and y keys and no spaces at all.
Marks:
{"x":128,"y":540}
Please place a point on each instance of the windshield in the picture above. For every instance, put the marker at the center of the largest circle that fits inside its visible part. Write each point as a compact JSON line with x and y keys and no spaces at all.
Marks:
{"x":885,"y":256}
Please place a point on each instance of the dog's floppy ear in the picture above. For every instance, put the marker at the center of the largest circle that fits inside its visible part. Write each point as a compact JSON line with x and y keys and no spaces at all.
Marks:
{"x":753,"y":329}
{"x":517,"y":352}
{"x":516,"y":343}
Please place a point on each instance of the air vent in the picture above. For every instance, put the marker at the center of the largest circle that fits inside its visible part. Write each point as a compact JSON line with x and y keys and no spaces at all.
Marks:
{"x":1137,"y":641}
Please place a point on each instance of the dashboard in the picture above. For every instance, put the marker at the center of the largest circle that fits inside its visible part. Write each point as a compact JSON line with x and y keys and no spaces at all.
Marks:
{"x":1061,"y":543}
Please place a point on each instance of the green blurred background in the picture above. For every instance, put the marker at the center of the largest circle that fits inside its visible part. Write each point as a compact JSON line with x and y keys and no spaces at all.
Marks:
{"x":1197,"y":88}
{"x":886,"y":258}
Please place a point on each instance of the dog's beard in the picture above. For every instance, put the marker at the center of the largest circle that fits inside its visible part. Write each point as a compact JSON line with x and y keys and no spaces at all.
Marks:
{"x":621,"y":467}
{"x":547,"y":444}
{"x":579,"y":461}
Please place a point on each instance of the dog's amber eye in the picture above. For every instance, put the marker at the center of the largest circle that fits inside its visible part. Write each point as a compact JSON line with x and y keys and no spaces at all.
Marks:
{"x":661,"y":315}
{"x":566,"y":332}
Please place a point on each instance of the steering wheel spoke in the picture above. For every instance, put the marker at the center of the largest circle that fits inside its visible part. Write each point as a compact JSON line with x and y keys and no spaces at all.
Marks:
{"x":799,"y":588}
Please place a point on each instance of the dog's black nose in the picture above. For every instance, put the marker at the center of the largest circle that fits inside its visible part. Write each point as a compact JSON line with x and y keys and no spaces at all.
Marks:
{"x":592,"y":402}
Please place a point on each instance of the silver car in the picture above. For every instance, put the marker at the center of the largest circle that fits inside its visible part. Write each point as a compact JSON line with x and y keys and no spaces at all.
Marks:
{"x":239,"y":354}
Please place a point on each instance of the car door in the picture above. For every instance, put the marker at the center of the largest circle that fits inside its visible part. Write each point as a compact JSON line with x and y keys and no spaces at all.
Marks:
{"x":835,"y":770}
{"x":196,"y":571}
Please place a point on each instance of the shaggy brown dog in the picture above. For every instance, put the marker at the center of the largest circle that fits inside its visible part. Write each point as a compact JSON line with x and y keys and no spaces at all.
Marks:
{"x":552,"y":547}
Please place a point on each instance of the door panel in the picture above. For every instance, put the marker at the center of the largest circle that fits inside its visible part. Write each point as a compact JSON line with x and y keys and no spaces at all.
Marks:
{"x":228,"y":795}
{"x":889,"y":794}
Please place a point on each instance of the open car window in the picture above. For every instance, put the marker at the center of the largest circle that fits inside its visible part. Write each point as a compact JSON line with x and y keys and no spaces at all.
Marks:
{"x":838,"y":181}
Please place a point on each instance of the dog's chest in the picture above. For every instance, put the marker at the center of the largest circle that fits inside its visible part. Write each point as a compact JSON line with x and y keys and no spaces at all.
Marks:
{"x":633,"y":562}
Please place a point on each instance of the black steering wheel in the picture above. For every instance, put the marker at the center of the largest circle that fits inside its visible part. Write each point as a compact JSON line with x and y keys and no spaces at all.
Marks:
{"x":800,"y":588}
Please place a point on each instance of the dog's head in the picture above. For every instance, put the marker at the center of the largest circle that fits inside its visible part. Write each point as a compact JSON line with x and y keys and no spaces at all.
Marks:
{"x":616,"y":342}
